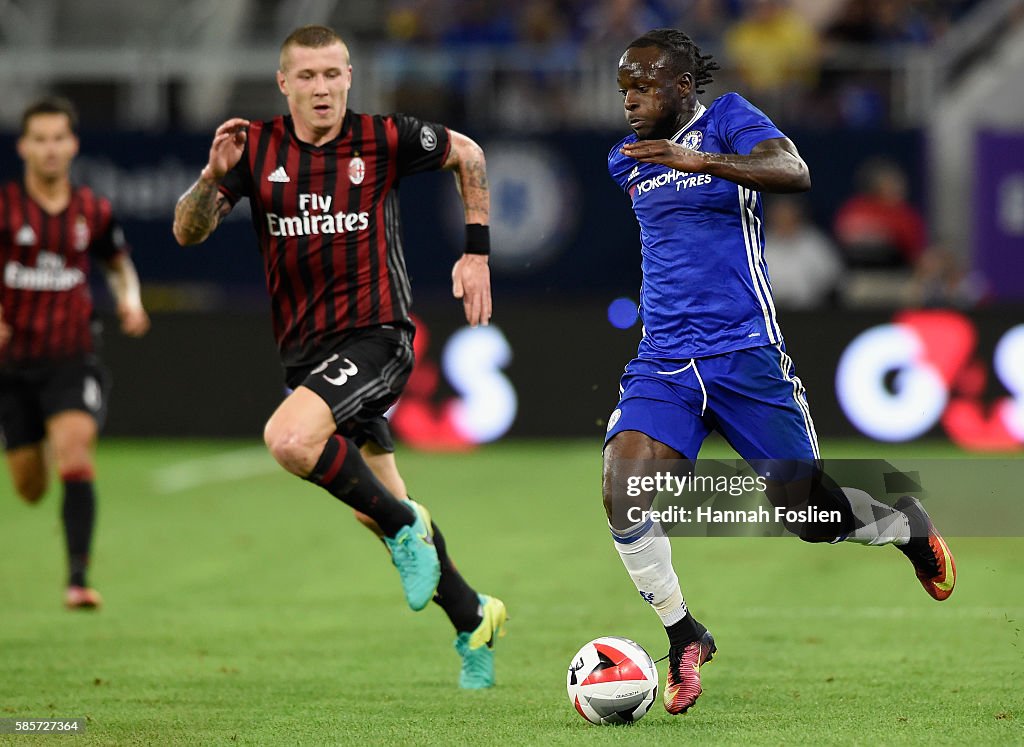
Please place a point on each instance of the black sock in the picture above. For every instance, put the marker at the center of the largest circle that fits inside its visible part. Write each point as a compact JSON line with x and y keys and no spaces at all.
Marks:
{"x":342,"y":472}
{"x":819,"y":493}
{"x":79,"y":516}
{"x":454,"y":595}
{"x":826,"y":497}
{"x":684,"y":632}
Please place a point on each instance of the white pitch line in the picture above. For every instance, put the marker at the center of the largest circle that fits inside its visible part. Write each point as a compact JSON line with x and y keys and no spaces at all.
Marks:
{"x":879,"y":613}
{"x":226,"y":467}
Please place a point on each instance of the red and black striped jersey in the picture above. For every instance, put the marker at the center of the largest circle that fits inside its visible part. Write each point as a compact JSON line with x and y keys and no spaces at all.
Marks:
{"x":45,"y":294}
{"x":327,"y":219}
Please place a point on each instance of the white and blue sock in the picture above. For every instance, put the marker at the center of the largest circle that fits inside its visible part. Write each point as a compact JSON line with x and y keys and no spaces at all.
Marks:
{"x":647,"y":555}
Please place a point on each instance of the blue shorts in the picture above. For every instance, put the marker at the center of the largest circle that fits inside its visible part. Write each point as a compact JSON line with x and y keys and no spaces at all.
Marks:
{"x":751,"y":397}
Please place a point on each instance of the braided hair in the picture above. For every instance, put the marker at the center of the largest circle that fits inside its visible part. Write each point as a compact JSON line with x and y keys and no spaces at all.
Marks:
{"x":683,"y":54}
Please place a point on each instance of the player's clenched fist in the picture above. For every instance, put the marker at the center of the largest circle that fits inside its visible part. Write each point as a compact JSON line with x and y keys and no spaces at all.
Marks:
{"x":134,"y":320}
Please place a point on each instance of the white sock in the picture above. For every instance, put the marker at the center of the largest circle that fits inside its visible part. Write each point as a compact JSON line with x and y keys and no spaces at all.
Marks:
{"x":647,"y":555}
{"x":879,"y":524}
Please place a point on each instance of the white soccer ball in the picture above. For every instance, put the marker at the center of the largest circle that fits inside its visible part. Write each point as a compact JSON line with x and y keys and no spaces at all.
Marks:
{"x":612,"y":681}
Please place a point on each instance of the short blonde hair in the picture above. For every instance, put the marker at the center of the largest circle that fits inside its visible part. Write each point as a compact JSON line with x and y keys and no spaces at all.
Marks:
{"x":312,"y":37}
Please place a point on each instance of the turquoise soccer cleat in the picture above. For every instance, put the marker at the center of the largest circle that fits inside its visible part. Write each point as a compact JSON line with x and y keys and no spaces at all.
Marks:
{"x":477,"y":647}
{"x":414,"y":555}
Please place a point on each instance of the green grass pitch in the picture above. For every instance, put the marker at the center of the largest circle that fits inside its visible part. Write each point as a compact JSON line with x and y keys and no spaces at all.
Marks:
{"x":245,"y":607}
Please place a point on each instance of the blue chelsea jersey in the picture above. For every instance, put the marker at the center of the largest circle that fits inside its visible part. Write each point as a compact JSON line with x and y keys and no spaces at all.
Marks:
{"x":705,"y":284}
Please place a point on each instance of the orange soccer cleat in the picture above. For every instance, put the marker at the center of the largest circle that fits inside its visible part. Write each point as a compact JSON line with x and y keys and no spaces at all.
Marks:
{"x":82,"y":598}
{"x":933,"y":562}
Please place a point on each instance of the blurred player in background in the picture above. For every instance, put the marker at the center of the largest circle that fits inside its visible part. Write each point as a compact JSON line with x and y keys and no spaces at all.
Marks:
{"x":712,"y":355}
{"x":53,"y":388}
{"x":322,"y":183}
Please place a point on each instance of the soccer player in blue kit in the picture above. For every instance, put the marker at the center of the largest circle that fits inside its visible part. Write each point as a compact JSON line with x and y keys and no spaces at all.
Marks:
{"x":712,"y":355}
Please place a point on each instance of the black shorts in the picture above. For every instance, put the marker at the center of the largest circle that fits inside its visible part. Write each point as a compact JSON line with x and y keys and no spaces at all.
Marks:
{"x":359,"y":379}
{"x":31,"y":395}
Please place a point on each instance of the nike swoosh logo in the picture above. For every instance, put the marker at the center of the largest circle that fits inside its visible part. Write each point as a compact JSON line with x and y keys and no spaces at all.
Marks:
{"x":947,"y":571}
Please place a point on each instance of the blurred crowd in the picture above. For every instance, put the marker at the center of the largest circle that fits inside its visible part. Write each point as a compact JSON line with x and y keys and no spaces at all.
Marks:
{"x":877,"y":252}
{"x":458,"y":22}
{"x":825,"y":60}
{"x":812,"y":62}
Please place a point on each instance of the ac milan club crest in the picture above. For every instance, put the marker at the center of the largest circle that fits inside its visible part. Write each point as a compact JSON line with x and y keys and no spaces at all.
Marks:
{"x":357,"y":170}
{"x":81,"y":234}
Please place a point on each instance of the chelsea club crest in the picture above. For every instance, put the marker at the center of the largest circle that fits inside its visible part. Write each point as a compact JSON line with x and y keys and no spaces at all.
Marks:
{"x":692,"y":139}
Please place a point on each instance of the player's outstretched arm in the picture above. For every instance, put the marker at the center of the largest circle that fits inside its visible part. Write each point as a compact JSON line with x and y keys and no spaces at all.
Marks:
{"x":773,"y":165}
{"x":124,"y":284}
{"x":471,"y":275}
{"x":200,"y":210}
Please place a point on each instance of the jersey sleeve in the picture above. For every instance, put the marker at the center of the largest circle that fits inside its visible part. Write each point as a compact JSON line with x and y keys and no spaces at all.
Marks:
{"x":237,"y":183}
{"x":620,"y":165}
{"x":743,"y":125}
{"x":422,"y":146}
{"x":109,"y":240}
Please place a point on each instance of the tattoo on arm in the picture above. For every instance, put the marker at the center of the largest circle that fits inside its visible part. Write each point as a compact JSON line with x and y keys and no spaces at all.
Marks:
{"x":199,"y":211}
{"x":472,"y":177}
{"x":466,"y":159}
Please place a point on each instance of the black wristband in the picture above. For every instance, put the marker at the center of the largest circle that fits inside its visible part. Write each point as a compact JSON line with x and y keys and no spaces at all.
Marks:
{"x":478,"y":239}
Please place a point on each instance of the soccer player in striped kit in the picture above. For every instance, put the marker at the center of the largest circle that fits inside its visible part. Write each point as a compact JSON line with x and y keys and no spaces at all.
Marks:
{"x":323,"y":186}
{"x":52,"y":386}
{"x":712,"y":355}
